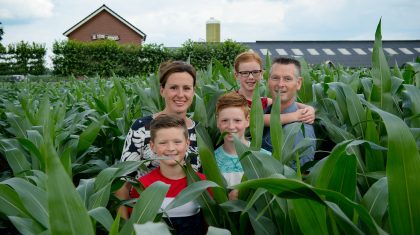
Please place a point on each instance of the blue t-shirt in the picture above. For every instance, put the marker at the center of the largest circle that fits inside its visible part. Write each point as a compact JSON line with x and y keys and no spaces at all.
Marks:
{"x":230,"y":166}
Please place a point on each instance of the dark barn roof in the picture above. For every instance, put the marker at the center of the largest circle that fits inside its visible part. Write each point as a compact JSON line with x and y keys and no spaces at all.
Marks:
{"x":347,"y":53}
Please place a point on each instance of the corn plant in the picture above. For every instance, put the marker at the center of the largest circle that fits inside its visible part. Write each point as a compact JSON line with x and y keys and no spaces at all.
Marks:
{"x":60,"y":143}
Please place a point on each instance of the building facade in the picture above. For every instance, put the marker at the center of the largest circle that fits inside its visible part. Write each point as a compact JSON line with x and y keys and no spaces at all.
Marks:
{"x":105,"y":24}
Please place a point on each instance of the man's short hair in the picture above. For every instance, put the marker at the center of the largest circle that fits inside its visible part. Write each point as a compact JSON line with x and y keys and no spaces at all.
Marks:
{"x":232,"y":99}
{"x":165,"y":121}
{"x":286,"y":61}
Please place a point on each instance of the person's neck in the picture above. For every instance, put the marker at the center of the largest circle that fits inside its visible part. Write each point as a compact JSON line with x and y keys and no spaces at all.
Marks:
{"x":182,"y":115}
{"x":286,"y":105}
{"x":246,"y":93}
{"x":172,"y":172}
{"x":229,"y":146}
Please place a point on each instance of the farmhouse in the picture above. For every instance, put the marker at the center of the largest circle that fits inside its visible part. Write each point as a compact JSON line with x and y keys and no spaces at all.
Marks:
{"x":105,"y":24}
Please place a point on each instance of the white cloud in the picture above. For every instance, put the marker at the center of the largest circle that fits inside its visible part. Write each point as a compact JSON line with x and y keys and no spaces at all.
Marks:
{"x":25,"y":10}
{"x":173,"y":22}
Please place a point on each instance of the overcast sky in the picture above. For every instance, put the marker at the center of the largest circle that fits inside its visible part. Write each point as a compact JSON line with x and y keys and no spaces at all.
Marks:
{"x":172,"y":22}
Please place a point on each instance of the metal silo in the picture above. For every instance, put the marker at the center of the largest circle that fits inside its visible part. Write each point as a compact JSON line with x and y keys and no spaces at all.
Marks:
{"x":213,"y":30}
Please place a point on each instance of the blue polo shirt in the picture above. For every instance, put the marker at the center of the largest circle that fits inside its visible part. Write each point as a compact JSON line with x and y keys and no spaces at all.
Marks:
{"x":306,"y":156}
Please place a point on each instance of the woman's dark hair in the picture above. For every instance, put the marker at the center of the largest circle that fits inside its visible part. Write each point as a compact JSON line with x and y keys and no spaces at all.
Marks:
{"x":169,"y":67}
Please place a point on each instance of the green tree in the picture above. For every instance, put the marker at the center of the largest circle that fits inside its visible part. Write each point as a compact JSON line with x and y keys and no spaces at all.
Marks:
{"x":1,"y":32}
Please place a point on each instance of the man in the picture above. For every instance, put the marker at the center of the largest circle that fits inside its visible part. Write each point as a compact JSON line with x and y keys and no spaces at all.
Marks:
{"x":285,"y":80}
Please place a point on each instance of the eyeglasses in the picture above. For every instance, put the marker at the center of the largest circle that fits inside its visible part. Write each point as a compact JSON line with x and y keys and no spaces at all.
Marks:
{"x":246,"y":74}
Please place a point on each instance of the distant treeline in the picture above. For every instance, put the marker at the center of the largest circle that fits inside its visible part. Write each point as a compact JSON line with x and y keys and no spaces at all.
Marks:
{"x":107,"y":58}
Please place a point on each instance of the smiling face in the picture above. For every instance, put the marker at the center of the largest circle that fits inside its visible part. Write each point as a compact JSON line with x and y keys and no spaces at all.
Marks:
{"x":178,"y":92}
{"x":248,"y":83}
{"x":170,"y":142}
{"x":284,"y":81}
{"x":233,"y":121}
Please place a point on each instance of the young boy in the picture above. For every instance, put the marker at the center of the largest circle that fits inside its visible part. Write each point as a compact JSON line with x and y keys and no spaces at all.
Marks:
{"x":232,"y":114}
{"x":169,"y":139}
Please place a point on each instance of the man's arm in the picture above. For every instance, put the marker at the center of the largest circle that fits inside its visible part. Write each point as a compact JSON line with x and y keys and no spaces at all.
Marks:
{"x":305,"y":114}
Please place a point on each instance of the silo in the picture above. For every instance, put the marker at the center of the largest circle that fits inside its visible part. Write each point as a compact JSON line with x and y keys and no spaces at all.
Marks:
{"x":213,"y":30}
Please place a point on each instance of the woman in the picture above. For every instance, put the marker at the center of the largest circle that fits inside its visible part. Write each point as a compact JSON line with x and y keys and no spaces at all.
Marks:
{"x":248,"y":71}
{"x":177,"y":82}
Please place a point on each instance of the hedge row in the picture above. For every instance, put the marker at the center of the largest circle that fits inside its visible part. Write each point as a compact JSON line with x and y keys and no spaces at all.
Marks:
{"x":106,"y":58}
{"x":22,"y":58}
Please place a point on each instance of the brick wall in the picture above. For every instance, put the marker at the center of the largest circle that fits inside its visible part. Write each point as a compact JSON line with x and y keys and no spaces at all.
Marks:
{"x":105,"y":24}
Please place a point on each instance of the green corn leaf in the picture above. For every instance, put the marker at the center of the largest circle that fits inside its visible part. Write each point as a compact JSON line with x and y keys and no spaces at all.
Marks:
{"x":276,"y":131}
{"x":256,"y":164}
{"x":256,"y":125}
{"x":261,"y":224}
{"x":342,"y":220}
{"x":25,"y":225}
{"x":67,"y":213}
{"x":288,"y":188}
{"x":251,"y":202}
{"x":85,"y":190}
{"x":311,"y":216}
{"x":376,"y":200}
{"x":10,"y":203}
{"x":357,"y":114}
{"x":200,"y":112}
{"x":69,"y":155}
{"x":208,"y":161}
{"x":124,"y":168}
{"x":381,"y":90}
{"x":115,"y":225}
{"x":38,"y":160}
{"x":374,"y":159}
{"x":101,"y":197}
{"x":289,"y":136}
{"x":305,"y":93}
{"x":17,"y":161}
{"x":190,"y":193}
{"x":147,"y":206}
{"x":33,"y":199}
{"x":205,"y":201}
{"x":103,"y":216}
{"x":18,"y":125}
{"x":266,"y":74}
{"x":105,"y":177}
{"x":403,"y":166}
{"x":43,"y":114}
{"x":412,"y":103}
{"x":89,"y":135}
{"x":339,"y":174}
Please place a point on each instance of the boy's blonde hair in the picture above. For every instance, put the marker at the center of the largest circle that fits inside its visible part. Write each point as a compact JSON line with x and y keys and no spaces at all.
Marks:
{"x":232,"y":99}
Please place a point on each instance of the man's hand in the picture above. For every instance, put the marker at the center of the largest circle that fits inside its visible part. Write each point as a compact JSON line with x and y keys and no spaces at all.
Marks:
{"x":306,"y":115}
{"x":233,"y":195}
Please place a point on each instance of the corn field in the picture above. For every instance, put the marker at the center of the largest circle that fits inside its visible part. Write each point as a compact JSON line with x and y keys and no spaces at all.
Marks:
{"x":60,"y":145}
